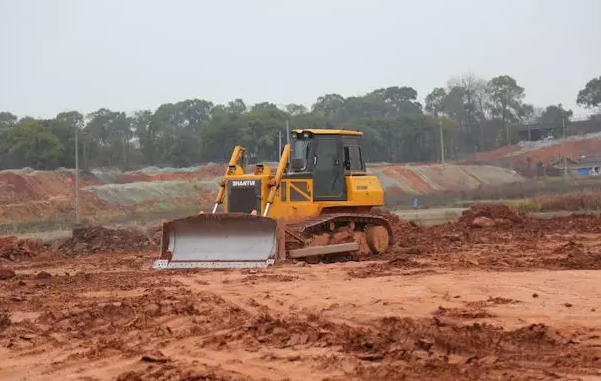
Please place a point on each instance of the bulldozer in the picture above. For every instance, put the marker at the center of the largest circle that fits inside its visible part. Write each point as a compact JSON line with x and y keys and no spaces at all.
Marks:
{"x":316,"y":206}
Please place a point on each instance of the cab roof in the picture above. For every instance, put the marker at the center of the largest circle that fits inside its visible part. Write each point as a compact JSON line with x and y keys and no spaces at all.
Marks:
{"x":328,"y":132}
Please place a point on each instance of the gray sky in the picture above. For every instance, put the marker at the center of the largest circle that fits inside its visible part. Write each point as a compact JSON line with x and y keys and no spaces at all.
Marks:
{"x":134,"y":54}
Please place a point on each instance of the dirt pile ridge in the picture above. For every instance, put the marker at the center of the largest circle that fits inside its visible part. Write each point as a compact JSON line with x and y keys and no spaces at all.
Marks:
{"x":490,"y":237}
{"x":96,"y":239}
{"x":491,"y":215}
{"x":579,"y":222}
{"x":12,"y":247}
{"x":178,"y":372}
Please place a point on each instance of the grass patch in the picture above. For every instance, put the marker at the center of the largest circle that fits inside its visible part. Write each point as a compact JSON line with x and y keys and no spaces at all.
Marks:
{"x":451,"y":214}
{"x":524,"y":206}
{"x":531,"y":195}
{"x":573,"y":201}
{"x":138,"y":219}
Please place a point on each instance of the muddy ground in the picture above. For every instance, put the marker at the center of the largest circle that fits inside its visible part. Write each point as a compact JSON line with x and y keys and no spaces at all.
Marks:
{"x":494,"y":296}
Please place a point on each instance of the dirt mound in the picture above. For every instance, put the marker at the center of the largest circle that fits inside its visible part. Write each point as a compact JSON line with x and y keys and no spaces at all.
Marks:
{"x":100,"y":239}
{"x":481,"y":239}
{"x":12,"y":247}
{"x":179,"y":372}
{"x":431,"y":349}
{"x":463,"y":313}
{"x":575,"y":256}
{"x":424,"y":346}
{"x":491,"y":215}
{"x":89,"y":319}
{"x":276,"y":332}
{"x":577,"y":222}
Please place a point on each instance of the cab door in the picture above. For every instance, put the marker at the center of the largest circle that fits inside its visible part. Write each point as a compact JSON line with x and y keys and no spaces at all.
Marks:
{"x":328,"y":169}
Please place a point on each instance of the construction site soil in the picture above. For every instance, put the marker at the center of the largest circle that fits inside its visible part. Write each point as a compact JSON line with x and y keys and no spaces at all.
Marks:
{"x":496,"y":295}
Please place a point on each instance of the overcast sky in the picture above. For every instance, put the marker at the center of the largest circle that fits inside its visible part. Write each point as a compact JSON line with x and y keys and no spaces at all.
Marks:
{"x":135,"y":54}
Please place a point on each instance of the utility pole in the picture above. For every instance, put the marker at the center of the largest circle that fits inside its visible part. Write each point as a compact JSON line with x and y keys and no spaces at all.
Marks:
{"x":565,"y":159}
{"x":76,"y":178}
{"x":288,"y":138}
{"x":124,"y":154}
{"x":287,"y":132}
{"x":85,"y":157}
{"x":441,"y":142}
{"x":280,"y":144}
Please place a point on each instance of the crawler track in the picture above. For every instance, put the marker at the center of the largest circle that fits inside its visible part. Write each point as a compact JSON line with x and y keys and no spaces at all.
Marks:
{"x":336,"y":228}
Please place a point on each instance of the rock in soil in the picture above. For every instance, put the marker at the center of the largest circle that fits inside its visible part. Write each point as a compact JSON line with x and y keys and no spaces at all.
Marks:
{"x":95,"y":239}
{"x":12,"y":247}
{"x":483,"y":222}
{"x":6,"y":273}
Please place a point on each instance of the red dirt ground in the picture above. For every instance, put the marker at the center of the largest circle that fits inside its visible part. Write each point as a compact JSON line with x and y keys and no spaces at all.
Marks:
{"x":44,"y":196}
{"x":515,"y":301}
{"x":411,"y":177}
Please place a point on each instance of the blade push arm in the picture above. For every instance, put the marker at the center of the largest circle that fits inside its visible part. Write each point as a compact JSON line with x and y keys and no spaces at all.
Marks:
{"x":275,"y":183}
{"x":233,"y":167}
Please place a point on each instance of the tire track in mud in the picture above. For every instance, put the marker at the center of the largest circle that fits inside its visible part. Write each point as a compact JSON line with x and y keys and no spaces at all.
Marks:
{"x":424,"y":347}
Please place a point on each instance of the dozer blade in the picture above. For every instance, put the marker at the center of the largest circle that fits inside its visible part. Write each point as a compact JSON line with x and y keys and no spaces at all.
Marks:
{"x":231,"y":240}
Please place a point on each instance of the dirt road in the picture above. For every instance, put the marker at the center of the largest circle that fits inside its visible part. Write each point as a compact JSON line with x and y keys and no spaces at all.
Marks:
{"x":458,"y":302}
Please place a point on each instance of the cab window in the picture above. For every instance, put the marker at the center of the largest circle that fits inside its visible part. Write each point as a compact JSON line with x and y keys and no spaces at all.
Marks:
{"x":302,"y":150}
{"x":352,"y":158}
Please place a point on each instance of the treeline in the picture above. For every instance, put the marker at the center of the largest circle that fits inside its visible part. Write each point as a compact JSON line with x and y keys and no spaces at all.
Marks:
{"x":473,"y":115}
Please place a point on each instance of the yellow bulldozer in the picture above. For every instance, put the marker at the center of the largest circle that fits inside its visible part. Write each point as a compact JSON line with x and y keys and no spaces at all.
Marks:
{"x":315,"y":207}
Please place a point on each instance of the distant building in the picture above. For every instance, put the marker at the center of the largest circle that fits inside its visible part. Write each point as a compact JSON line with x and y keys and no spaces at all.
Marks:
{"x":534,"y":132}
{"x":539,"y":131}
{"x":588,"y":166}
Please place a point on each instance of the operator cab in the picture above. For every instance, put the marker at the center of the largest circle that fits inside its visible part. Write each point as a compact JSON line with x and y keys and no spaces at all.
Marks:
{"x":326,"y":156}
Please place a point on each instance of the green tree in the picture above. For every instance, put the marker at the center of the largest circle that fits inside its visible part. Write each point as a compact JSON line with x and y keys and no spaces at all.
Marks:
{"x":148,"y":133}
{"x":222,"y":134}
{"x":63,"y":126}
{"x":371,"y":105}
{"x":174,"y":130}
{"x":30,"y":144}
{"x":556,"y":117}
{"x":475,"y":115}
{"x":263,"y":123}
{"x":296,"y":109}
{"x":110,"y":132}
{"x":464,"y":103}
{"x":590,"y":96}
{"x":400,"y":100}
{"x":435,"y":101}
{"x":506,"y":102}
{"x":237,"y":106}
{"x":331,"y":106}
{"x":7,"y":120}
